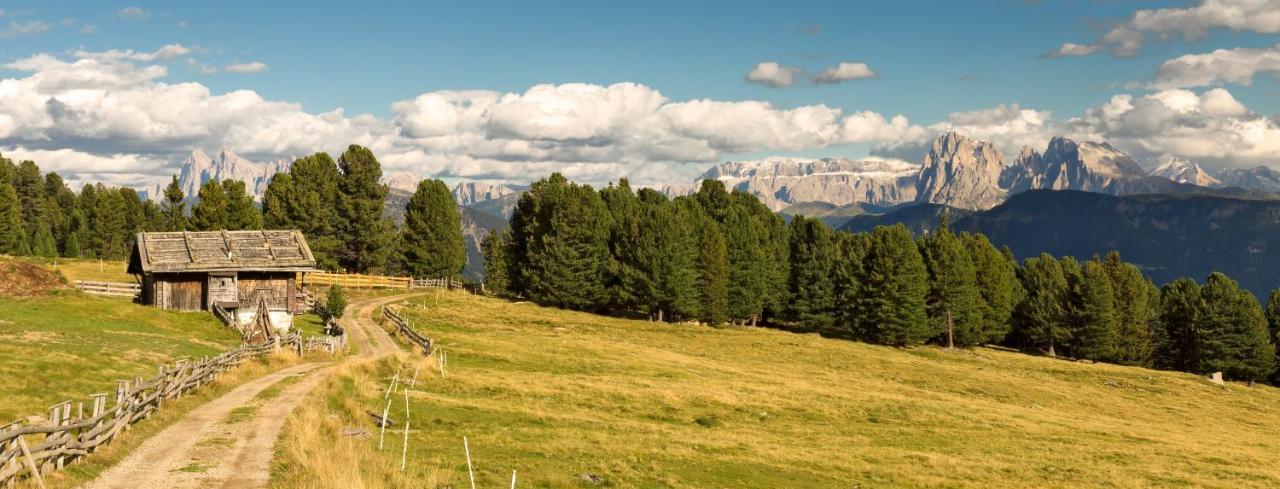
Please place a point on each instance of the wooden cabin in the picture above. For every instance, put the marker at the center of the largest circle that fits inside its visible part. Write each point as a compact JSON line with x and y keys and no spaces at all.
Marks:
{"x":192,"y":271}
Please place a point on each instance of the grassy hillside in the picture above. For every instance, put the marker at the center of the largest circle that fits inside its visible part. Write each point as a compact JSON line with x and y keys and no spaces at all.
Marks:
{"x":556,"y":394}
{"x":68,"y":345}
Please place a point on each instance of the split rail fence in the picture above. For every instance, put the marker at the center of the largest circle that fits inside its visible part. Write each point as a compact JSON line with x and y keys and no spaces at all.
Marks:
{"x":361,"y":281}
{"x":113,"y":289}
{"x":37,"y":448}
{"x":403,"y":328}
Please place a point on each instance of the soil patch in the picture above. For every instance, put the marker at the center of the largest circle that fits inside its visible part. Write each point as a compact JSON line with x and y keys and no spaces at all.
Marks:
{"x":23,"y":279}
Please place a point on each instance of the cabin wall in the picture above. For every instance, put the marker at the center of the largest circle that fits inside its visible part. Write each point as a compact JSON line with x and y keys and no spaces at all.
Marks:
{"x":222,"y":288}
{"x":179,"y":291}
{"x":276,"y":287}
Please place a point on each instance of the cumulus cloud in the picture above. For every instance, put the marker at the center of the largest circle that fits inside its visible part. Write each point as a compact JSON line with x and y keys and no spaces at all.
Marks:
{"x":1192,"y":23}
{"x":1237,"y":66}
{"x":845,"y":72}
{"x":135,"y":13}
{"x":112,"y":116}
{"x":254,"y":67}
{"x":773,"y":74}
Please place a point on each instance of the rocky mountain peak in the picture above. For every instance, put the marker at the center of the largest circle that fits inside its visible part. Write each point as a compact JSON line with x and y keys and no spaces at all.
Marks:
{"x":961,"y":172}
{"x":1259,"y":178}
{"x":1183,"y":171}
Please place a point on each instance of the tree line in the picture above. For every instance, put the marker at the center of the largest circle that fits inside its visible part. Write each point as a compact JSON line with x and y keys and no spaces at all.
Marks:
{"x":338,"y":205}
{"x":722,"y":257}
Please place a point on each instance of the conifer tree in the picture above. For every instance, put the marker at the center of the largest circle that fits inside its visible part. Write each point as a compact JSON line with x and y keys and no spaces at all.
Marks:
{"x":846,"y":281}
{"x":813,"y":257}
{"x":1180,"y":307}
{"x":1040,"y":319}
{"x":366,"y":235}
{"x":109,"y":225}
{"x":313,"y":206}
{"x":998,"y":288}
{"x":746,"y":266}
{"x":276,"y":201}
{"x":29,"y":184}
{"x":713,"y":276}
{"x":629,"y":285}
{"x":561,"y":233}
{"x":42,"y":242}
{"x":494,"y":250}
{"x":1097,"y":338}
{"x":241,"y":211}
{"x":174,"y":207}
{"x":670,"y":235}
{"x":1233,"y":336}
{"x":12,"y":235}
{"x":211,"y":212}
{"x":134,"y":217}
{"x":1133,"y":311}
{"x":894,"y":287}
{"x":952,"y":301}
{"x":152,"y":217}
{"x":7,"y":171}
{"x":431,"y":238}
{"x":1273,"y":321}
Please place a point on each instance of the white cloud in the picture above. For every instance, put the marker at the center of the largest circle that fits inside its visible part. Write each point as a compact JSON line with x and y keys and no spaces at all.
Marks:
{"x":24,"y":28}
{"x":254,"y":67}
{"x":136,"y":13}
{"x":1237,"y":66}
{"x":1192,"y":23}
{"x":773,"y":74}
{"x":845,"y":72}
{"x":112,"y":116}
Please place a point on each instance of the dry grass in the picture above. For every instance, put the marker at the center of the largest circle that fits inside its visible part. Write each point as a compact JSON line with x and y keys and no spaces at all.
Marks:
{"x":95,"y":270}
{"x":557,"y":395}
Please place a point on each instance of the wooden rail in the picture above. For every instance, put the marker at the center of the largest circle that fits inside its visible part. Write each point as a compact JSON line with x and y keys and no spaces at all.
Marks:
{"x":38,"y":448}
{"x":114,"y":289}
{"x":402,"y":327}
{"x":359,"y":281}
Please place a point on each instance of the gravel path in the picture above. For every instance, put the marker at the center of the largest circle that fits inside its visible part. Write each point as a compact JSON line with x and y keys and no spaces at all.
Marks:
{"x":228,"y":442}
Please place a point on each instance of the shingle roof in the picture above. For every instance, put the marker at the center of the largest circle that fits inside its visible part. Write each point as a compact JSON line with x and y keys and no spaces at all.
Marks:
{"x":210,"y":251}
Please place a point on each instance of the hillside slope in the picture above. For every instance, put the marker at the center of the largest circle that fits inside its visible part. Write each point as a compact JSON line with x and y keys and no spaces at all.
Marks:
{"x":566,"y":397}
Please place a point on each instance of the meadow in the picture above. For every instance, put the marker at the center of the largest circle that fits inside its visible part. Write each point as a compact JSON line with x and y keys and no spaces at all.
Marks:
{"x":570,"y":399}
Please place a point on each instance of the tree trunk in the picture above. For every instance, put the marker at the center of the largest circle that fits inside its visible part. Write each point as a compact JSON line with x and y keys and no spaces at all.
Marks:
{"x":951,"y":339}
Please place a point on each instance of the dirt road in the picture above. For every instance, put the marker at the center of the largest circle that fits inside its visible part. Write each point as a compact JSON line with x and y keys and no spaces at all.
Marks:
{"x":228,"y":442}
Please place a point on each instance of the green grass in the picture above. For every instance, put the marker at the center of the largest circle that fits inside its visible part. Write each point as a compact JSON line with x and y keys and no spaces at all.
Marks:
{"x":559,"y":395}
{"x":69,"y":345}
{"x":309,"y":324}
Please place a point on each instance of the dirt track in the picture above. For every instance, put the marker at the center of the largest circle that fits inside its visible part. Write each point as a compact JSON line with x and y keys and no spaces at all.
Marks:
{"x":228,"y":442}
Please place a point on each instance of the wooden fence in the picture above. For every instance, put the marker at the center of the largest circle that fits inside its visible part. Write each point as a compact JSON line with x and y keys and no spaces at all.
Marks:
{"x":37,"y":448}
{"x":114,"y":289}
{"x":358,"y":281}
{"x":402,"y":327}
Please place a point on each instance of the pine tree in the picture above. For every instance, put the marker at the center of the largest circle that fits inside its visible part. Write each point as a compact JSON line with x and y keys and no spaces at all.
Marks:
{"x":175,"y":209}
{"x":1040,"y":318}
{"x":894,"y":287}
{"x":1133,"y":311}
{"x":1273,"y":321}
{"x":494,"y":250}
{"x":952,"y":301}
{"x":335,"y":304}
{"x":109,"y":231}
{"x":431,"y":240}
{"x":210,"y":213}
{"x":241,"y":211}
{"x":365,"y":233}
{"x":7,"y":171}
{"x":29,"y":184}
{"x":313,"y":206}
{"x":559,"y":251}
{"x":713,"y":276}
{"x":998,"y":288}
{"x":629,"y":285}
{"x":746,"y":266}
{"x":846,"y":281}
{"x":671,"y":241}
{"x":42,"y":242}
{"x":276,"y":201}
{"x":1097,"y":337}
{"x":153,"y":219}
{"x":813,"y":257}
{"x":1180,"y":308}
{"x":12,"y":235}
{"x":1233,"y":336}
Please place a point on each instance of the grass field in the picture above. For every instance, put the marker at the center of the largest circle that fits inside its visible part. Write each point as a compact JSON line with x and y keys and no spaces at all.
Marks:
{"x":68,"y":345}
{"x":563,"y":397}
{"x":95,"y":270}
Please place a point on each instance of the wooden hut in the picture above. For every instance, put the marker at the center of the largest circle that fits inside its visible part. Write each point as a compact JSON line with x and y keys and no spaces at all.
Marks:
{"x":233,"y":270}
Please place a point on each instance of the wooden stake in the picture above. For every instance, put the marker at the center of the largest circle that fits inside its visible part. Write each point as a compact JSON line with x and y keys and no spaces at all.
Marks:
{"x":383,"y":422}
{"x":414,"y":382}
{"x":31,"y":463}
{"x":470,"y":474}
{"x":513,"y":479}
{"x":393,"y":385}
{"x":404,"y":449}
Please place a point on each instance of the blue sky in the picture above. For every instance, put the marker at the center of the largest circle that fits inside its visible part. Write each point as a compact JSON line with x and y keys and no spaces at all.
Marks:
{"x":932,"y":60}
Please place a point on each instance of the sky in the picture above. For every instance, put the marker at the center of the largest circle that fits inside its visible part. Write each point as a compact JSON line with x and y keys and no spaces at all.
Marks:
{"x":653,"y":91}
